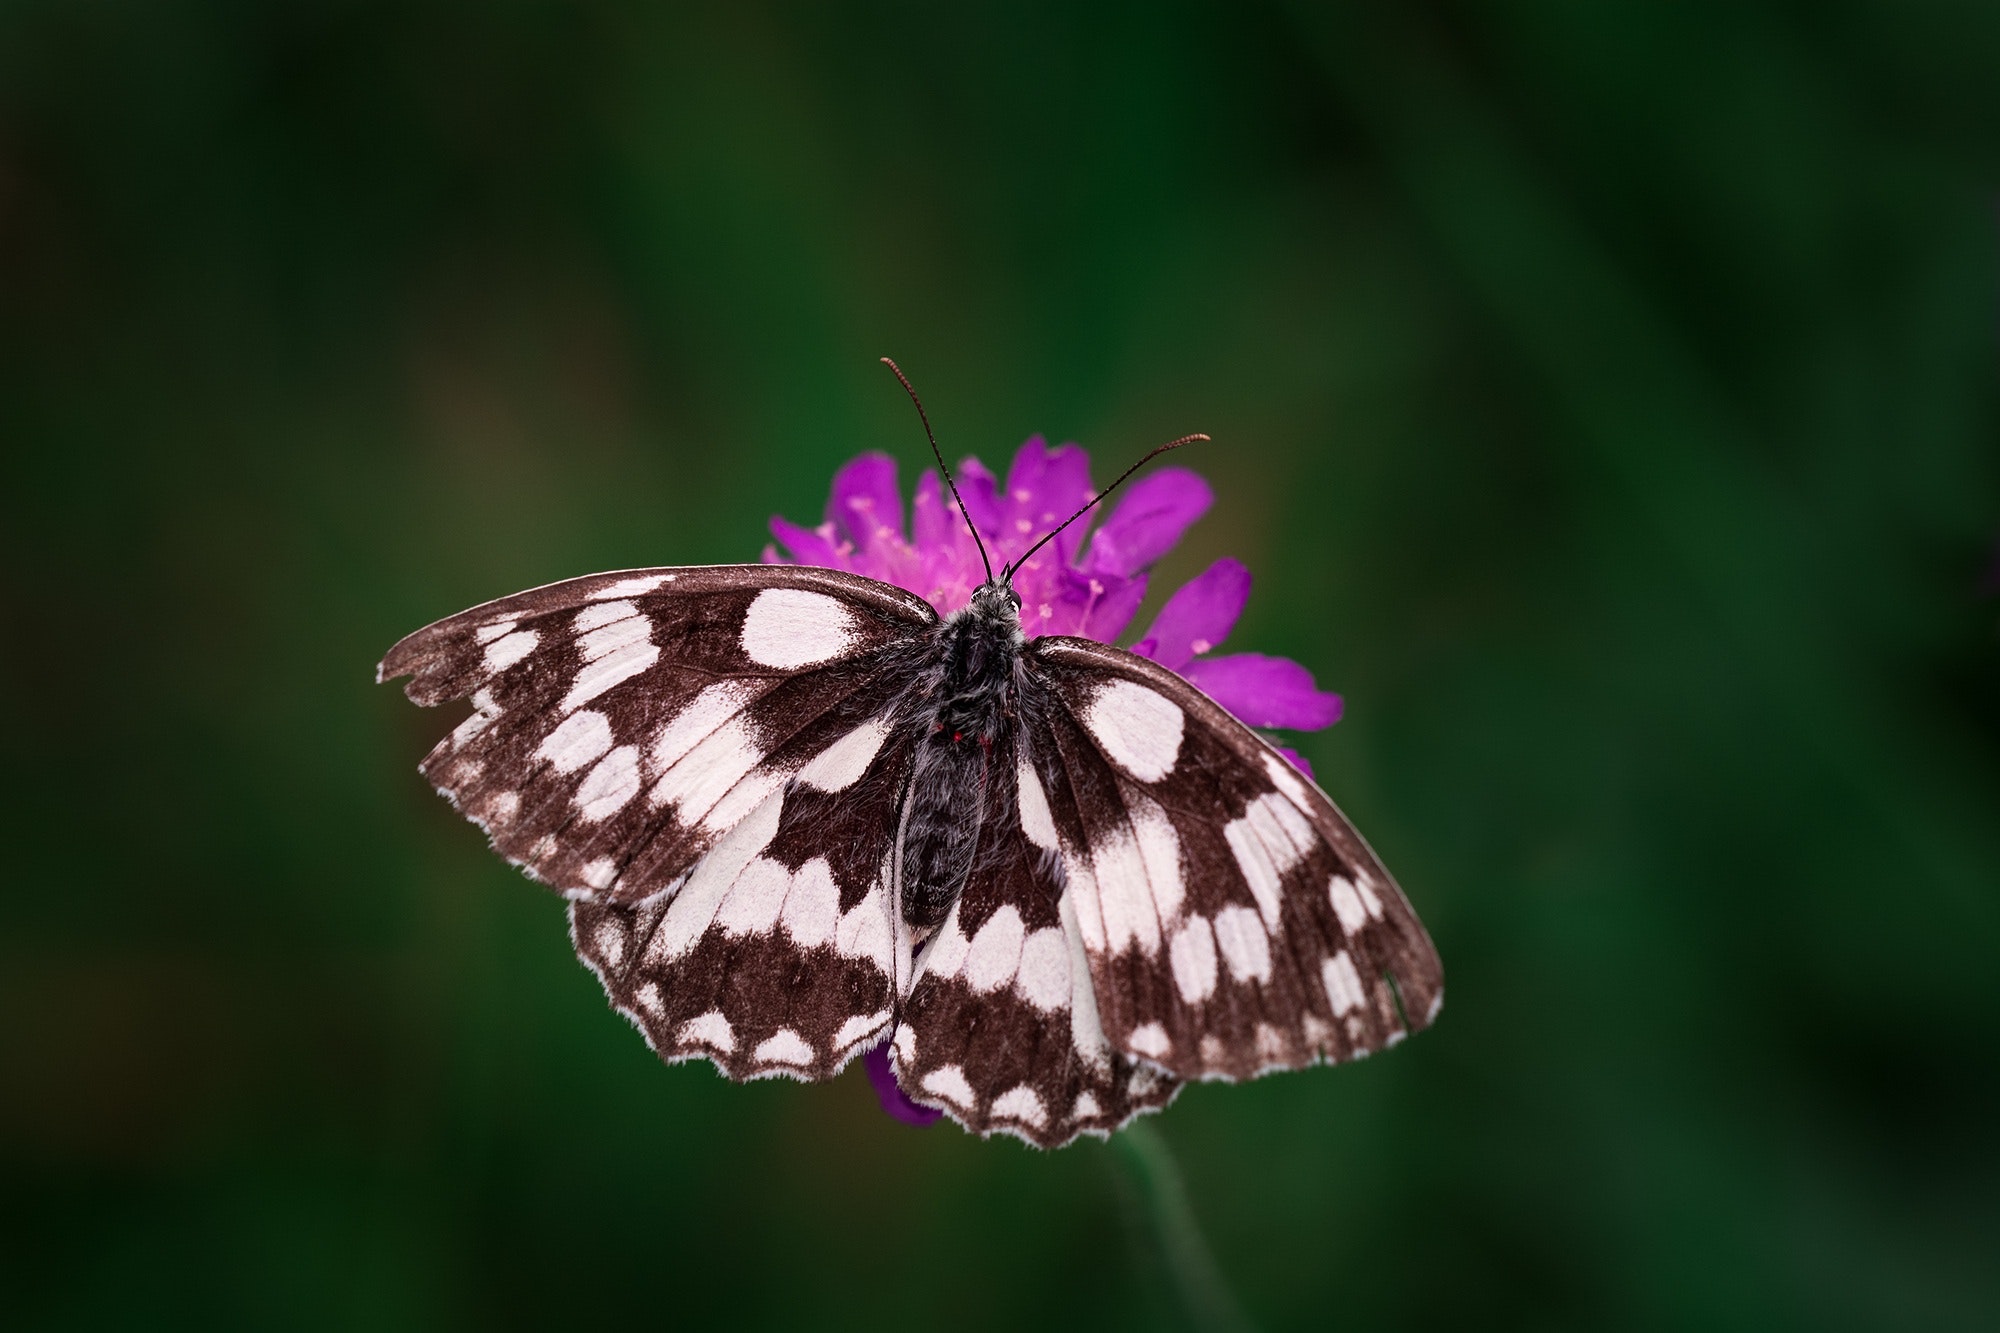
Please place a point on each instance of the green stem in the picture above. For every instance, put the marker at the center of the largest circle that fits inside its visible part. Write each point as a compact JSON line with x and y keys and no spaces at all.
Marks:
{"x":1211,"y":1307}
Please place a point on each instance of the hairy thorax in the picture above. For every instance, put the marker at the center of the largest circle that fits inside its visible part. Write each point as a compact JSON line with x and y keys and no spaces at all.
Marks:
{"x":954,"y":786}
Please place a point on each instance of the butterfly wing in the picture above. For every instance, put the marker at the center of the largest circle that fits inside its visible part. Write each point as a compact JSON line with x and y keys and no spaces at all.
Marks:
{"x":777,"y":954}
{"x":624,"y":723}
{"x":702,"y":760}
{"x":1233,"y":920}
{"x":1001,"y":1027}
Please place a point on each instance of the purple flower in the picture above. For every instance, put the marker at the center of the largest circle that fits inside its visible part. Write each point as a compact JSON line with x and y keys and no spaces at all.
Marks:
{"x":1090,"y":589}
{"x":883,"y":1077}
{"x":1069,"y":587}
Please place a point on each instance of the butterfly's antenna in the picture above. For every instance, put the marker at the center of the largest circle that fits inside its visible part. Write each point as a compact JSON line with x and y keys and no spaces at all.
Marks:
{"x":1014,"y":566}
{"x":924,"y":417}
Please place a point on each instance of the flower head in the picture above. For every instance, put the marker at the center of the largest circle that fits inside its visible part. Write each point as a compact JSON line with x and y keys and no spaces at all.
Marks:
{"x":1091,"y":589}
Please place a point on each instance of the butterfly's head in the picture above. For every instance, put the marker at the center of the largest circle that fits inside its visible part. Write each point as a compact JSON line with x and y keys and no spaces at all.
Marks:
{"x":997,"y":604}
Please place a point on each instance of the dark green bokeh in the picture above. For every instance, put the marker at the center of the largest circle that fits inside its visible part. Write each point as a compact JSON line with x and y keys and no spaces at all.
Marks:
{"x":1603,"y":393}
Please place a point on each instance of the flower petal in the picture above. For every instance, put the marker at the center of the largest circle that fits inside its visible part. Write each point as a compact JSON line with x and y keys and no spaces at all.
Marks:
{"x":1111,"y":610}
{"x":932,"y":514}
{"x":1149,"y":520}
{"x":1044,"y":487}
{"x":807,"y":546}
{"x":1296,"y":760}
{"x":866,"y":499}
{"x":1200,"y":614}
{"x":876,"y":1062}
{"x":1265,"y":691}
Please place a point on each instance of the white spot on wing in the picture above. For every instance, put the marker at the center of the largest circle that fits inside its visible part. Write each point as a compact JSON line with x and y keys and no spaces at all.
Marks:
{"x":706,"y":773}
{"x":488,"y":633}
{"x":693,"y":908}
{"x":783,"y":1047}
{"x":1254,"y":860}
{"x":944,"y":955}
{"x":948,"y":1082}
{"x":1086,"y":1031}
{"x":841,"y":764}
{"x":634,"y":587}
{"x":790,"y":627}
{"x":503,"y":653}
{"x":1160,"y":850}
{"x":598,"y":874}
{"x":1020,"y":1103}
{"x":609,"y":638}
{"x":1282,"y":829}
{"x":1044,"y":976}
{"x":711,"y":1029}
{"x":579,"y":739}
{"x":1287,"y":779}
{"x":601,"y":614}
{"x":1150,"y":1041}
{"x":812,"y":908}
{"x":708,"y":710}
{"x":1140,"y":729}
{"x":615,"y":668}
{"x":1347,"y":904}
{"x":1367,"y":892}
{"x":606,"y":789}
{"x":1193,"y":956}
{"x":485,"y":710}
{"x":864,"y":931}
{"x":1245,"y":945}
{"x":1086,"y":1106}
{"x":995,"y":955}
{"x":1089,"y":912}
{"x":744,"y":797}
{"x":1343,"y":984}
{"x":1036,"y":821}
{"x":1124,"y":894}
{"x":610,"y":941}
{"x":755,"y":899}
{"x":858,"y":1029}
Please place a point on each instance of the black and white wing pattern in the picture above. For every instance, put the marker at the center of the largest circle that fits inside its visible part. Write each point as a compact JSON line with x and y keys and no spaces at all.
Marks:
{"x":1162,"y":898}
{"x":1002,"y":1028}
{"x":723,"y":768}
{"x":1234,"y":921}
{"x":700,"y":759}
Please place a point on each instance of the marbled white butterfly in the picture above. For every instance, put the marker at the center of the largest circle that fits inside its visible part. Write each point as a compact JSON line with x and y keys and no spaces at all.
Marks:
{"x":797,"y":814}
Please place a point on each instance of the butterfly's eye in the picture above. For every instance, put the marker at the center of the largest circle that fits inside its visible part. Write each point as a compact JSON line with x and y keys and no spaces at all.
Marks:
{"x":1014,"y":598}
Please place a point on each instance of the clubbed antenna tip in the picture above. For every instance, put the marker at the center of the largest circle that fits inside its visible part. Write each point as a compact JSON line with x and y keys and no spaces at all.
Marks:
{"x":1013,"y":566}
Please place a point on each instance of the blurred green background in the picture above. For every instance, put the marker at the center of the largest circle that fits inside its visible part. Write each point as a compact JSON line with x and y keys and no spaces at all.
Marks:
{"x":1605,"y":395}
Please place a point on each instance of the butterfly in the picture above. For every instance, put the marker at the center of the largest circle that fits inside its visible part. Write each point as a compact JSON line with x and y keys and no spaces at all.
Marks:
{"x":797,"y":814}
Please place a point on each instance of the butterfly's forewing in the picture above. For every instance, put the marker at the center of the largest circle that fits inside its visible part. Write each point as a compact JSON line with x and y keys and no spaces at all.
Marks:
{"x":1001,"y":1029}
{"x":1234,"y":921}
{"x":624,"y":723}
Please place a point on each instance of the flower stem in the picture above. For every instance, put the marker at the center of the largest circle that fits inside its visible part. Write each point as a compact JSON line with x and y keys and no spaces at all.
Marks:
{"x":1210,"y":1305}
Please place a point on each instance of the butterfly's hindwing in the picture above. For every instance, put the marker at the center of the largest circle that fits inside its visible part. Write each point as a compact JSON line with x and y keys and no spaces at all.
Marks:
{"x":1001,"y":1029}
{"x":775,"y":955}
{"x":1234,"y":921}
{"x":623,"y":723}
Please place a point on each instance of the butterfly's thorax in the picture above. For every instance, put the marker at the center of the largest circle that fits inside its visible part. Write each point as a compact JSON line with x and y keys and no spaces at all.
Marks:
{"x":964,"y":716}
